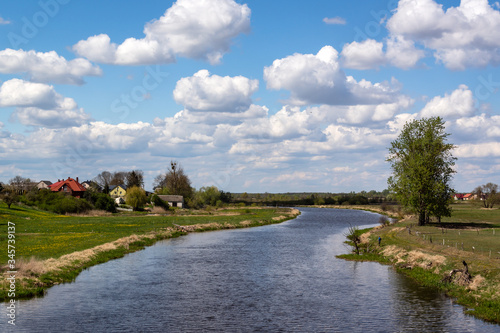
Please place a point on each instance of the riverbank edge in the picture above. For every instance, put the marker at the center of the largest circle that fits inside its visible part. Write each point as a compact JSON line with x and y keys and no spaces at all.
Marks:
{"x":481,"y":303}
{"x":33,"y":278}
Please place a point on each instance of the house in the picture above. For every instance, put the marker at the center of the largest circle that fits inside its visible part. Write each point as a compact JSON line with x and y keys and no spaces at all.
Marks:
{"x":116,"y":191}
{"x":173,"y":200}
{"x":458,"y":196}
{"x":87,"y":184}
{"x":70,"y":186}
{"x":469,"y":196}
{"x":43,"y":184}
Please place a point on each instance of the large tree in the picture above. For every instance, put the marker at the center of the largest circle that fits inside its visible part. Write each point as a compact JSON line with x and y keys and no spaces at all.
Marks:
{"x":422,"y":165}
{"x":174,"y":182}
{"x":136,"y":197}
{"x":20,"y":185}
{"x":135,"y":178}
{"x":488,"y":194}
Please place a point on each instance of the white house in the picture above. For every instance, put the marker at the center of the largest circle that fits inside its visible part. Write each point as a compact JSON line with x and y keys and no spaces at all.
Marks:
{"x":173,"y":200}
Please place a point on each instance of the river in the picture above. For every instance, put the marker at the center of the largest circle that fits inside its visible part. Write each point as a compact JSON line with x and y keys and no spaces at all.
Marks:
{"x":276,"y":278}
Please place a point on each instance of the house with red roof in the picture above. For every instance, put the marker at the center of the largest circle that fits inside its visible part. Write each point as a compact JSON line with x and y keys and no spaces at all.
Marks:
{"x":469,"y":196}
{"x":70,"y":186}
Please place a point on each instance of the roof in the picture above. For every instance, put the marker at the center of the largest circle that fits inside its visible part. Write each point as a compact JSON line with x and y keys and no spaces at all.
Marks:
{"x":47,"y":182}
{"x":172,"y":198}
{"x":112,"y":187}
{"x":74,"y":185}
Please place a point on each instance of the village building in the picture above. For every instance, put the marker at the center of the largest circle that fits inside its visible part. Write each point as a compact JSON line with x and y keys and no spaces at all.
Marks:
{"x":117,"y":191}
{"x":43,"y":184}
{"x":70,"y":186}
{"x":173,"y":200}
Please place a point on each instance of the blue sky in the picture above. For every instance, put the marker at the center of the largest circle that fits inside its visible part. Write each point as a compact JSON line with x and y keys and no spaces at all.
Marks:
{"x":249,"y":96}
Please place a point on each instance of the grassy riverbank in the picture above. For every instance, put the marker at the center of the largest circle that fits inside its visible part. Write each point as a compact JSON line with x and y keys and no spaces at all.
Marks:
{"x":430,"y":253}
{"x":52,"y":249}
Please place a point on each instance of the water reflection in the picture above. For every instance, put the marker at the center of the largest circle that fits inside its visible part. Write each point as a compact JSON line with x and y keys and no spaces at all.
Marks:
{"x":280,"y":278}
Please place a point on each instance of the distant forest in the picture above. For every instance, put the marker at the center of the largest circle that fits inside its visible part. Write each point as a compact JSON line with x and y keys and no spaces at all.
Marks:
{"x":309,"y":198}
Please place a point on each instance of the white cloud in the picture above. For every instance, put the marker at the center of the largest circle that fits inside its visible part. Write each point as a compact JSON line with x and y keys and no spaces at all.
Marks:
{"x":196,"y":29}
{"x":480,"y":150}
{"x":369,"y":54}
{"x":461,"y":37}
{"x":365,"y":114}
{"x":21,"y":93}
{"x":334,"y":20}
{"x":46,"y":66}
{"x":344,"y":169}
{"x":39,"y":105}
{"x":51,"y":118}
{"x":402,"y":53}
{"x":205,"y":92}
{"x":477,"y":128}
{"x":318,"y":79}
{"x":365,"y":55}
{"x":459,"y":103}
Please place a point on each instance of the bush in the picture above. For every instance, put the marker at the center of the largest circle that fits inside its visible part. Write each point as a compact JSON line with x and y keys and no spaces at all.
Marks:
{"x":104,"y":202}
{"x":69,"y":204}
{"x":384,"y":221}
{"x":136,"y":197}
{"x":158,"y":202}
{"x":56,"y":202}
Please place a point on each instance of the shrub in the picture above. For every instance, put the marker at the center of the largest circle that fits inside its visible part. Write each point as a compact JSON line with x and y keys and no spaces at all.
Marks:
{"x":158,"y":202}
{"x":104,"y":202}
{"x":9,"y":198}
{"x":136,"y":197}
{"x":69,"y":204}
{"x":383,"y":220}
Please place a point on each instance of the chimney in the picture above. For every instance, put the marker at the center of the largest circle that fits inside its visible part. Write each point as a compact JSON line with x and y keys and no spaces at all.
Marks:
{"x":77,"y":179}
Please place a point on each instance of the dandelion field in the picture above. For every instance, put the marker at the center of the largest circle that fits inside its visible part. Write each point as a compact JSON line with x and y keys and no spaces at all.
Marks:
{"x":45,"y":235}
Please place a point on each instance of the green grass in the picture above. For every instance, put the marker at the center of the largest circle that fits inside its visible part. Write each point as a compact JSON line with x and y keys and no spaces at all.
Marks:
{"x":45,"y":235}
{"x":41,"y":235}
{"x":471,"y":234}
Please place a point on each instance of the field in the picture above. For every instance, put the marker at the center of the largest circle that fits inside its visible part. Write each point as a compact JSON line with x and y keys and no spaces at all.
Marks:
{"x":430,"y":253}
{"x":51,"y":249}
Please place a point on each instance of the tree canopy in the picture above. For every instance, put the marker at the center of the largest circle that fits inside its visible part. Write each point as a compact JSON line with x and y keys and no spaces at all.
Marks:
{"x":488,"y":194}
{"x":174,"y":182}
{"x":422,"y":165}
{"x":136,"y":197}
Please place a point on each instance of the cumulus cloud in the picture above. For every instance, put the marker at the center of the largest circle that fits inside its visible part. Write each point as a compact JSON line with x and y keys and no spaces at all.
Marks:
{"x":477,"y":128}
{"x":4,"y":21}
{"x":17,"y":92}
{"x":366,"y":114}
{"x":205,"y":92}
{"x":39,"y":104}
{"x":318,"y":79}
{"x":369,"y":54}
{"x":60,"y":118}
{"x":46,"y":66}
{"x":402,"y":53}
{"x":365,"y":55}
{"x":461,"y":37}
{"x":459,"y":103}
{"x":196,"y":29}
{"x":481,"y":150}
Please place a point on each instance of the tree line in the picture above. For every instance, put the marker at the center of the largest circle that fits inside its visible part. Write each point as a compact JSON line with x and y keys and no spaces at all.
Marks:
{"x":420,"y":158}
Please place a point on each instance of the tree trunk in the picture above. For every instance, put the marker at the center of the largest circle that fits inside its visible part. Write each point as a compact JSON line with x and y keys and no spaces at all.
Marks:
{"x":421,"y":218}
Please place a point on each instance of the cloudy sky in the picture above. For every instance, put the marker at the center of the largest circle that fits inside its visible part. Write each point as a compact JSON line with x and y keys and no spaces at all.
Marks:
{"x":252,"y":96}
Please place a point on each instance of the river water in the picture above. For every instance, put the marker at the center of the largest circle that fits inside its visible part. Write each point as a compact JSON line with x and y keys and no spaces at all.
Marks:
{"x":277,"y":278}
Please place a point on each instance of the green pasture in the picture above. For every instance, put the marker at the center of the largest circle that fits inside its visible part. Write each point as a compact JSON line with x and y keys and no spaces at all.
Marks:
{"x":45,"y":235}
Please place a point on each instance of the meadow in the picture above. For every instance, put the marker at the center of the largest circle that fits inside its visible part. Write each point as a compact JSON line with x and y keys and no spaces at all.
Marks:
{"x":432,"y":252}
{"x":51,"y":248}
